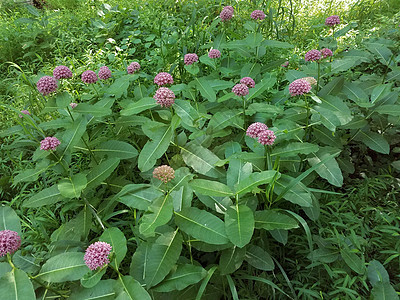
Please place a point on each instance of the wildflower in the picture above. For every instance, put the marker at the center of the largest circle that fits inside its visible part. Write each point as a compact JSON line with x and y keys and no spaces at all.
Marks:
{"x":49,"y":143}
{"x":25,"y":112}
{"x":89,"y":76}
{"x":285,"y":64}
{"x":258,"y":15}
{"x":248,"y":81}
{"x":10,"y":241}
{"x":254,"y":129}
{"x":62,"y":72}
{"x":190,"y":58}
{"x":240,"y":90}
{"x":165,"y":97}
{"x":266,"y":137}
{"x":299,"y":87}
{"x":73,"y":105}
{"x":163,"y":78}
{"x":313,"y":55}
{"x":104,"y":73}
{"x":47,"y":85}
{"x":310,"y":80}
{"x":164,"y":173}
{"x":214,"y":53}
{"x":97,"y":255}
{"x":332,"y":21}
{"x":133,"y":67}
{"x":325,"y":52}
{"x":226,"y":13}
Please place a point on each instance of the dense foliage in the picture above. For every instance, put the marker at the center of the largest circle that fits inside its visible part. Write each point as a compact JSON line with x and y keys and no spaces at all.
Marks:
{"x":199,"y":150}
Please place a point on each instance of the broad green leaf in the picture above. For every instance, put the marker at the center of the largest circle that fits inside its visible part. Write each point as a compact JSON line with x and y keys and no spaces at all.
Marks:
{"x":182,"y":197}
{"x":5,"y":267}
{"x":259,"y":258}
{"x":231,"y":259}
{"x":263,"y":108}
{"x":280,"y":235}
{"x":392,"y":110}
{"x":340,"y":65}
{"x":204,"y":59}
{"x":211,"y":188}
{"x":352,"y":260}
{"x":186,"y":112}
{"x":163,"y":256}
{"x":329,"y":169}
{"x":297,"y":194}
{"x":90,"y":279}
{"x":101,"y":172}
{"x":32,"y":174}
{"x":377,"y":272}
{"x":239,"y":225}
{"x":139,"y":106}
{"x":254,"y":180}
{"x":277,"y":44}
{"x":219,"y":85}
{"x":139,"y":261}
{"x":382,"y":52}
{"x":15,"y":285}
{"x":267,"y":82}
{"x":379,"y":92}
{"x":328,"y":118}
{"x":73,"y":134}
{"x":73,"y":186}
{"x":270,"y":220}
{"x":253,"y":39}
{"x":117,"y":240}
{"x":374,"y":141}
{"x":158,"y":213}
{"x":93,"y":110}
{"x":66,"y":266}
{"x":63,"y":99}
{"x":192,"y":69}
{"x":116,"y":149}
{"x":357,"y":94}
{"x":120,"y":86}
{"x":338,"y":107}
{"x":294,"y":148}
{"x":238,"y":170}
{"x":205,"y":89}
{"x":132,"y":290}
{"x":9,"y":220}
{"x":384,"y":291}
{"x":182,"y":277}
{"x":138,"y":196}
{"x":47,"y":196}
{"x":324,"y":255}
{"x":223,"y":119}
{"x":202,"y":225}
{"x":332,"y":88}
{"x":104,"y":290}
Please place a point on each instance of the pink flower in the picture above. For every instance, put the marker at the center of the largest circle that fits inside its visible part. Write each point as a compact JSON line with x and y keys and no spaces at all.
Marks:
{"x":226,"y":13}
{"x":325,"y":52}
{"x":165,"y":97}
{"x":257,"y":15}
{"x":313,"y":55}
{"x":89,"y":76}
{"x":190,"y":58}
{"x":133,"y":67}
{"x":285,"y":64}
{"x":49,"y":143}
{"x":214,"y":53}
{"x":10,"y":241}
{"x":332,"y":21}
{"x":299,"y":87}
{"x":47,"y":85}
{"x":248,"y":81}
{"x":25,"y":112}
{"x":163,"y":78}
{"x":164,"y":173}
{"x":97,"y":255}
{"x":73,"y":105}
{"x":62,"y":72}
{"x":266,"y":137}
{"x":104,"y":73}
{"x":254,"y":129}
{"x":240,"y":90}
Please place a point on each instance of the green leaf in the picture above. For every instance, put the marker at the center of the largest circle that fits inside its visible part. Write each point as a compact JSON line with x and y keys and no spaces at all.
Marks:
{"x":104,"y":290}
{"x":277,"y":44}
{"x":382,"y":52}
{"x":92,"y":278}
{"x":204,"y":59}
{"x":384,"y":291}
{"x":63,"y":99}
{"x":93,"y":110}
{"x":139,"y":261}
{"x":15,"y":285}
{"x":182,"y":277}
{"x":117,"y":240}
{"x":9,"y":220}
{"x":73,"y":134}
{"x":352,"y":260}
{"x":392,"y":110}
{"x":202,"y":225}
{"x":116,"y":149}
{"x":294,"y":148}
{"x":231,"y":259}
{"x":101,"y":172}
{"x":239,"y":225}
{"x":297,"y":194}
{"x":374,"y":141}
{"x":120,"y":86}
{"x":377,"y":273}
{"x":32,"y":174}
{"x":132,"y":289}
{"x":66,"y":266}
{"x":159,"y":213}
{"x":192,"y":69}
{"x":332,"y":88}
{"x":223,"y":119}
{"x":73,"y":186}
{"x":47,"y":196}
{"x":357,"y":94}
{"x":338,"y":107}
{"x":162,"y":257}
{"x":328,"y":118}
{"x":340,"y":65}
{"x":210,"y":188}
{"x":139,"y":106}
{"x":270,"y":220}
{"x":259,"y":258}
{"x":138,"y":196}
{"x":324,"y":255}
{"x":329,"y":169}
{"x":254,"y":180}
{"x":186,"y":112}
{"x":205,"y":89}
{"x":267,"y":82}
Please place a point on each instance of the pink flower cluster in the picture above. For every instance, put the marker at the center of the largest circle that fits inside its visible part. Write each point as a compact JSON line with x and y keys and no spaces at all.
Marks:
{"x":165,"y":97}
{"x":325,"y":52}
{"x":332,"y":21}
{"x":260,"y":131}
{"x":49,"y":143}
{"x":97,"y":255}
{"x":285,"y":64}
{"x":299,"y":87}
{"x":73,"y":105}
{"x":190,"y":58}
{"x":226,"y":13}
{"x":163,"y":78}
{"x":62,"y":72}
{"x":257,"y":15}
{"x":240,"y":90}
{"x":89,"y":77}
{"x":25,"y":112}
{"x":164,"y":173}
{"x":10,"y":241}
{"x":313,"y":55}
{"x":47,"y":85}
{"x":133,"y":67}
{"x":248,"y":81}
{"x":214,"y":53}
{"x":104,"y":73}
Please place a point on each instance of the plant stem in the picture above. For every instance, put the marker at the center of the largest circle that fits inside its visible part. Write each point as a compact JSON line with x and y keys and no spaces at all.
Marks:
{"x":244,"y":112}
{"x":319,"y":73}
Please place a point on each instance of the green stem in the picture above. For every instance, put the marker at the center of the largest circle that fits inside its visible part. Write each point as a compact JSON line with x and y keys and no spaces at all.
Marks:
{"x":307,"y":118}
{"x":268,"y":157}
{"x":244,"y":112}
{"x":319,"y":73}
